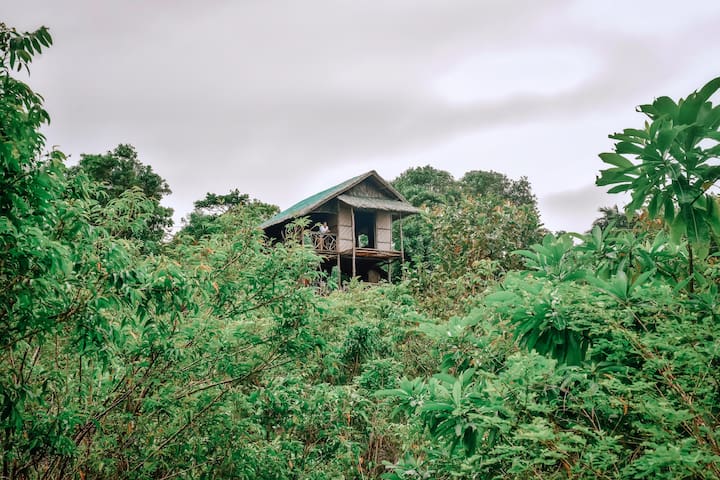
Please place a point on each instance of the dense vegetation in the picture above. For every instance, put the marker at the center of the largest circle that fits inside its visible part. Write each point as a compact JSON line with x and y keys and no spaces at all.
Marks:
{"x":505,"y":352}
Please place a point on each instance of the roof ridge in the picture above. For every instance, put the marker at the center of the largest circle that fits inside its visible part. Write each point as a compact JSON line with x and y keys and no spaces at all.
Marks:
{"x":305,"y":206}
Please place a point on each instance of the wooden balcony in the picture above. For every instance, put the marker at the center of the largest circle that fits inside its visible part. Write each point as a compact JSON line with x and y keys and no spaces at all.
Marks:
{"x":326,"y":243}
{"x":323,"y":242}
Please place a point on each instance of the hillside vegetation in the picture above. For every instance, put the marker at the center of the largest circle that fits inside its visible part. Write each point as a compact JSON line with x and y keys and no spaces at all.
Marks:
{"x":504,"y":352}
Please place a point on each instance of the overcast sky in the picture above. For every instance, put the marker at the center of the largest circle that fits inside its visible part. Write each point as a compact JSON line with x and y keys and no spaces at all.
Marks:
{"x":284,"y":99}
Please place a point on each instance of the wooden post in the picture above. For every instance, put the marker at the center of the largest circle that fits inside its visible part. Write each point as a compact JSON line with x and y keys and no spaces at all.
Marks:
{"x":390,"y":262}
{"x":402,"y":250}
{"x":354,"y":240}
{"x":339,"y":272}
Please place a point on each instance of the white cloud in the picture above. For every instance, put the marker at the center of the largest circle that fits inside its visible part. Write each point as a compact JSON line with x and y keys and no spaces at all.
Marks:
{"x":574,"y":210}
{"x":278,"y":99}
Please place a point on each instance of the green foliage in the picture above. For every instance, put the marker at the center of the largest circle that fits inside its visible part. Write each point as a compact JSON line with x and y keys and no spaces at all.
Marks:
{"x":480,"y":183}
{"x":644,"y":394}
{"x":465,"y":239}
{"x":212,"y":358}
{"x":472,"y":243}
{"x":18,"y":49}
{"x":615,"y":375}
{"x":423,"y":187}
{"x":427,"y":186}
{"x":120,"y":172}
{"x":448,"y":200}
{"x":26,"y":182}
{"x":476,"y":229}
{"x":550,"y":259}
{"x":613,"y":216}
{"x":204,"y":219}
{"x":216,"y":204}
{"x":673,"y":165}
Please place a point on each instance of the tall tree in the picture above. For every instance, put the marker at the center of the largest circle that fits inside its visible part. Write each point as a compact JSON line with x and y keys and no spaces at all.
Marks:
{"x":447,"y":198}
{"x":21,"y":115}
{"x":203,"y":220}
{"x":423,"y":187}
{"x":490,"y":183}
{"x":120,"y":171}
{"x":467,"y":233}
{"x":427,"y":186}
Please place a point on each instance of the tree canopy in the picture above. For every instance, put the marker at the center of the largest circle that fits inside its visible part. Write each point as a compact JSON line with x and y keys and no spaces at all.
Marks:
{"x":426,"y":186}
{"x":205,"y":218}
{"x":468,"y":231}
{"x":120,"y":172}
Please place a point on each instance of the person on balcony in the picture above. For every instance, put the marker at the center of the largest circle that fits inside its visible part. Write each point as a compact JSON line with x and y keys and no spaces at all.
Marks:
{"x":323,"y":231}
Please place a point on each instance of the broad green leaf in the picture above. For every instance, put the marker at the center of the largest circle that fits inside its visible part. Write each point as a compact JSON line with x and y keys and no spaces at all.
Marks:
{"x":653,"y":205}
{"x":697,"y":229}
{"x":713,"y":151}
{"x":668,"y":209}
{"x":620,"y":188}
{"x":713,"y":215}
{"x":666,"y":136}
{"x":631,"y":135}
{"x":689,"y":109}
{"x":437,"y":407}
{"x":708,"y":90}
{"x":710,"y":117}
{"x":608,"y":177}
{"x":678,"y":228}
{"x":648,"y":109}
{"x":666,"y":106}
{"x":626,"y":147}
{"x":504,"y":296}
{"x":616,"y":159}
{"x":710,"y":176}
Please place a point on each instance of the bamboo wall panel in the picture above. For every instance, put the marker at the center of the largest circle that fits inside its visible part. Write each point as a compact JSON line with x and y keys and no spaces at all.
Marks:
{"x":344,"y":228}
{"x":383,"y":231}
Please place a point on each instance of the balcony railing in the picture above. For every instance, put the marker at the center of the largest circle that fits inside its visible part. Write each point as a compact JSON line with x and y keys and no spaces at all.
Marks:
{"x":323,"y":242}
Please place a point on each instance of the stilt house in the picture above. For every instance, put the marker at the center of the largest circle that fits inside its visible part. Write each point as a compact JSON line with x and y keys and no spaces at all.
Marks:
{"x":359,"y":213}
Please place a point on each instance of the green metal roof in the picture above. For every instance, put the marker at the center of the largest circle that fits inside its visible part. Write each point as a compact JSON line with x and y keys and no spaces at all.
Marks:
{"x":378,"y":204}
{"x":307,"y":205}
